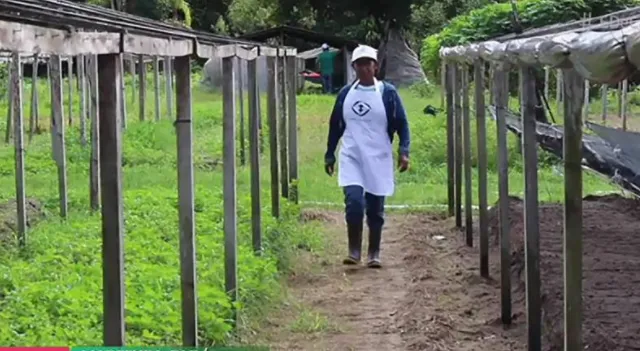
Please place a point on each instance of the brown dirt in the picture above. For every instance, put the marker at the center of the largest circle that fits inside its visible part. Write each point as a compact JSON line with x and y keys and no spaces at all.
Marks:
{"x":427,"y":296}
{"x":611,"y":294}
{"x":8,"y":222}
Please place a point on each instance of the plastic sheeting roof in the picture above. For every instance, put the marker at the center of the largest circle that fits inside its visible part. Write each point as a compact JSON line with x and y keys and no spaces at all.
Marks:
{"x":601,"y":57}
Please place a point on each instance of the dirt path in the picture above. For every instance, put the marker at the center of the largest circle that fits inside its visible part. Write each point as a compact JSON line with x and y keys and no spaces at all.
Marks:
{"x":427,"y":296}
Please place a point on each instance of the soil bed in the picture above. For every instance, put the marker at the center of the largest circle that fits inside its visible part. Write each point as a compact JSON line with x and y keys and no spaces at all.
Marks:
{"x":611,"y":266}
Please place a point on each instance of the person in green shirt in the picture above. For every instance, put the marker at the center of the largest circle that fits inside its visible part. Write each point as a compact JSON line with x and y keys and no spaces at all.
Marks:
{"x":326,"y":61}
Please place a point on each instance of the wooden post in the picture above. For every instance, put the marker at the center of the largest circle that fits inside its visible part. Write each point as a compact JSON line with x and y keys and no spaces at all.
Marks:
{"x":57,"y":130}
{"x":254,"y":154}
{"x":15,"y":98}
{"x":559,"y":92}
{"x":69,"y":87}
{"x":123,"y":92}
{"x":623,"y":103}
{"x":241,"y":110}
{"x":481,"y":129}
{"x":450,"y":88}
{"x":132,"y":72}
{"x":620,"y":100}
{"x":272,"y":117}
{"x":188,"y":278}
{"x":572,"y":151}
{"x":168,"y":78}
{"x":10,"y":107}
{"x":605,"y":101}
{"x":466,"y":154}
{"x":95,"y":164}
{"x":531,"y":225}
{"x":443,"y":83}
{"x":229,"y":160}
{"x":585,"y":107}
{"x":82,"y":87}
{"x":458,"y":144}
{"x":546,"y":82}
{"x":33,"y":120}
{"x":294,"y":195}
{"x":112,"y":203}
{"x":500,"y":85}
{"x":142,"y":71}
{"x":282,"y":128}
{"x":156,"y":85}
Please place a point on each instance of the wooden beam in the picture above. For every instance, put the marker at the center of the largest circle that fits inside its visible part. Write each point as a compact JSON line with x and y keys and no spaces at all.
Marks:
{"x":188,"y":279}
{"x":559,"y":97}
{"x":123,"y":92}
{"x":146,"y":45}
{"x":531,"y":225}
{"x":282,"y":127}
{"x":481,"y":129}
{"x":95,"y":163}
{"x":254,"y":154}
{"x":156,"y":86}
{"x":142,"y":74}
{"x":10,"y":107}
{"x":112,"y":202}
{"x":29,"y":38}
{"x":292,"y":77}
{"x":449,"y":87}
{"x":272,"y":117}
{"x":33,"y":120}
{"x":500,"y":85}
{"x":572,"y":155}
{"x":458,"y":145}
{"x":16,"y":98}
{"x":223,"y":51}
{"x":70,"y":89}
{"x":168,"y":78}
{"x":82,"y":87}
{"x":240,"y":79}
{"x":466,"y":155}
{"x":623,"y":103}
{"x":605,"y":101}
{"x":57,"y":131}
{"x":229,"y":191}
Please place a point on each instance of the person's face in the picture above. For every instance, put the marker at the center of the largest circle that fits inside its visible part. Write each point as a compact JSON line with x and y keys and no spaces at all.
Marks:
{"x":365,"y":68}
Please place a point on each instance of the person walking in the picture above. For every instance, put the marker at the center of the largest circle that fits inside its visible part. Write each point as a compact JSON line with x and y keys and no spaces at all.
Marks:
{"x":366,"y":115}
{"x":326,"y":62}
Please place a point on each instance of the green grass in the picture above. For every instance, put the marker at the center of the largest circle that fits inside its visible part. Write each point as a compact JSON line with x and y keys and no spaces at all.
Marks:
{"x":51,"y":293}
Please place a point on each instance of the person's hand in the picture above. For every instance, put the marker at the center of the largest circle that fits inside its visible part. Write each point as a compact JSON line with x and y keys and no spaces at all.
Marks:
{"x":403,"y":163}
{"x":328,"y":168}
{"x":329,"y":162}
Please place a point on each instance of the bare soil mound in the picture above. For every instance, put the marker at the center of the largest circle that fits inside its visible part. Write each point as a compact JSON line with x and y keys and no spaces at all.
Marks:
{"x":611,"y":285}
{"x":8,"y":223}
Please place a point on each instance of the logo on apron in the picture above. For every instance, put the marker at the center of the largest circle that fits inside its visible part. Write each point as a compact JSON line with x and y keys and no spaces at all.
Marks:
{"x":360,"y":108}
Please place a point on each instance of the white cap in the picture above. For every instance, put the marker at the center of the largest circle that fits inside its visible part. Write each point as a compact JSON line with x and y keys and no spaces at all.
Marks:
{"x":325,"y":46}
{"x":364,"y":51}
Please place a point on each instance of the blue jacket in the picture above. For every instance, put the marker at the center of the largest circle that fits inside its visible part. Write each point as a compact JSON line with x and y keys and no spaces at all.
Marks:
{"x":396,"y":117}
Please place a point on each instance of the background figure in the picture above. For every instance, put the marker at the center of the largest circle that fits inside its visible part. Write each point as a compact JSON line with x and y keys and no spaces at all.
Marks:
{"x":326,"y":61}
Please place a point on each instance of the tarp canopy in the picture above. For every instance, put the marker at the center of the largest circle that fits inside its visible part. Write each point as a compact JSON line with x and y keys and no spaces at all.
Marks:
{"x":612,"y":153}
{"x":399,"y":62}
{"x":606,"y":57}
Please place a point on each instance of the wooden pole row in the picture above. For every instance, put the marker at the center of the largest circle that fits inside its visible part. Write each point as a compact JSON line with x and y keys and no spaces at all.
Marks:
{"x":106,"y":111}
{"x":574,"y":93}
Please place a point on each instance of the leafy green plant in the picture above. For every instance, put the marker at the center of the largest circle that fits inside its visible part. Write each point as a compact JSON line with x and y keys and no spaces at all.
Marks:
{"x":422,"y":89}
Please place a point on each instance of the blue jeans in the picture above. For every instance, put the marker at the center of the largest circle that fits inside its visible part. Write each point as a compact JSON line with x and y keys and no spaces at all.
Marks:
{"x":327,"y":83}
{"x":357,"y":203}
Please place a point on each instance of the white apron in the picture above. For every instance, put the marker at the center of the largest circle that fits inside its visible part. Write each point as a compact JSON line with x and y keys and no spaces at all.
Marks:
{"x":365,"y":157}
